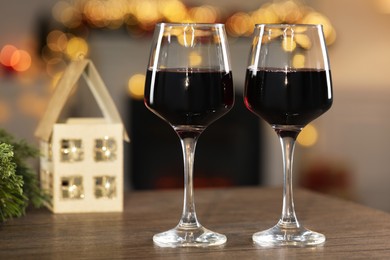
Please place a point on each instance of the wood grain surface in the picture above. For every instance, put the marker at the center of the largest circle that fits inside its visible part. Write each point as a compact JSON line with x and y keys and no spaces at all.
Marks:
{"x":353,"y":231}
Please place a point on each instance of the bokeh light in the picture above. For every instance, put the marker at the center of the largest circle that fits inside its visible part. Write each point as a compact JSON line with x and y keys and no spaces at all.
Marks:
{"x":287,"y":11}
{"x":6,"y":54}
{"x":264,"y":15}
{"x":318,"y":18}
{"x":308,"y":136}
{"x":298,"y":61}
{"x":20,"y":60}
{"x":95,"y":12}
{"x":136,"y":86}
{"x":14,"y":58}
{"x":67,"y":38}
{"x":140,"y":16}
{"x":57,"y":40}
{"x":303,"y":40}
{"x":289,"y":44}
{"x":173,"y":11}
{"x":195,"y":58}
{"x":240,"y":24}
{"x":204,"y":14}
{"x":77,"y":48}
{"x":67,"y":14}
{"x":147,"y":13}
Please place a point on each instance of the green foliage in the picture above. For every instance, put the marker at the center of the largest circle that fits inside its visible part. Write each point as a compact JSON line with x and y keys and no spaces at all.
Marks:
{"x":24,"y":175}
{"x":12,"y":200}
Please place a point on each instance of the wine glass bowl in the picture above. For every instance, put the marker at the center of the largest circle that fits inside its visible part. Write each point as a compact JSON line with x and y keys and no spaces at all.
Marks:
{"x":189,"y":85}
{"x":288,"y":84}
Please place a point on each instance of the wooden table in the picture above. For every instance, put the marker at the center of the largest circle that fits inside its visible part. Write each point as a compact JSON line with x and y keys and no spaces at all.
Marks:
{"x":352,"y":230}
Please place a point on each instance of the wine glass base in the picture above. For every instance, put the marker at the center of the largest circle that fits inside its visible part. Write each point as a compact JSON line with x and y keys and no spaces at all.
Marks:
{"x":294,"y":237}
{"x":194,"y":237}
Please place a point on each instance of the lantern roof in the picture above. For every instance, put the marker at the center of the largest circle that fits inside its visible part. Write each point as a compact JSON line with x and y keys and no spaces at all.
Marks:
{"x":63,"y":90}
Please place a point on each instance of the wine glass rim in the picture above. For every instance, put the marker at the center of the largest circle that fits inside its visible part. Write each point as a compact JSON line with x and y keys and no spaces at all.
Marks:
{"x":190,"y":24}
{"x":283,"y":25}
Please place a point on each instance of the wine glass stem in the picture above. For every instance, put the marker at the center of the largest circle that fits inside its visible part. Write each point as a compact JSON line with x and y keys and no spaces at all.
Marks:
{"x":288,"y":218}
{"x":188,"y":219}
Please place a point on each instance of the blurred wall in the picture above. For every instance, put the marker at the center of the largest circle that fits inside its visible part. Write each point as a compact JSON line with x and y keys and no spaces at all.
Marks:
{"x":356,"y":129}
{"x":354,"y":133}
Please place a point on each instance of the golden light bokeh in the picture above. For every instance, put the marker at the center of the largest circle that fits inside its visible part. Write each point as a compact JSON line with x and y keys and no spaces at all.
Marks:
{"x":288,"y":44}
{"x":240,"y":24}
{"x":195,"y":59}
{"x":271,"y":35}
{"x":57,"y":40}
{"x":147,"y":12}
{"x":136,"y":86}
{"x":57,"y":10}
{"x":77,"y":48}
{"x":70,"y":17}
{"x":204,"y":14}
{"x":264,"y":15}
{"x":303,"y":40}
{"x":173,"y":10}
{"x":287,"y":12}
{"x":298,"y":61}
{"x":140,"y":16}
{"x":95,"y":13}
{"x":308,"y":136}
{"x":144,"y":14}
{"x":318,"y":18}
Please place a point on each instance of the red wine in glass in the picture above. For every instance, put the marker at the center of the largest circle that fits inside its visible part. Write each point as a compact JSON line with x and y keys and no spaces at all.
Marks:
{"x":189,"y":84}
{"x":287,"y":97}
{"x":288,"y":84}
{"x":189,"y":97}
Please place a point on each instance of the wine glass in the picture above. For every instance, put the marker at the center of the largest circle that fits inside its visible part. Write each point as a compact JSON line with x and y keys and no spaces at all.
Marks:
{"x":189,"y":84}
{"x":288,"y":84}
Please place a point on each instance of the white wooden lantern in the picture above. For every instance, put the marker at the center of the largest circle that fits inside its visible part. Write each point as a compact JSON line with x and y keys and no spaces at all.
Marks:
{"x":82,"y":159}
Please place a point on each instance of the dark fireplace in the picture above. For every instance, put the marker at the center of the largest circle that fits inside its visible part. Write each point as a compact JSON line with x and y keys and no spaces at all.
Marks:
{"x":228,"y":151}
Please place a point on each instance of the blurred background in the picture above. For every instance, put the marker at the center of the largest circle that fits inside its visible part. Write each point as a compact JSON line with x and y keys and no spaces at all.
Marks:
{"x":343,"y":153}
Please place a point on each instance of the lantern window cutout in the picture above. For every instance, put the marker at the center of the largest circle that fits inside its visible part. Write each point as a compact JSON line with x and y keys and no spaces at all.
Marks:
{"x":50,"y":152}
{"x":72,"y":187}
{"x":71,"y":150}
{"x":105,"y":187}
{"x":105,"y":149}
